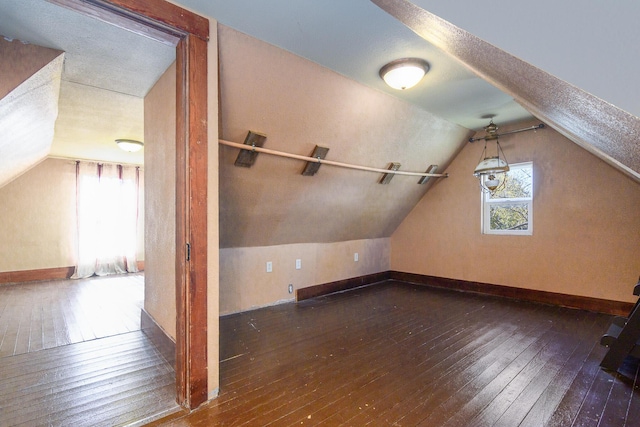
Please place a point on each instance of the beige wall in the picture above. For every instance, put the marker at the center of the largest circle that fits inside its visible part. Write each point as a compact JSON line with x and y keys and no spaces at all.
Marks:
{"x":585,"y":224}
{"x":38,"y":218}
{"x":38,"y":212}
{"x":160,"y":298}
{"x":160,"y":201}
{"x":299,"y":104}
{"x":245,"y":283}
{"x":270,"y":212}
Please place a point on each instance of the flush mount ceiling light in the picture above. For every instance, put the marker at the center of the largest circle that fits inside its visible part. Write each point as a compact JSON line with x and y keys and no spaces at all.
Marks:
{"x":404,"y":73}
{"x":129,"y":145}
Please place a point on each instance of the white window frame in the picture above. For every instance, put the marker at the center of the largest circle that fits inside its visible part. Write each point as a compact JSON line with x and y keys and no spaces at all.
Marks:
{"x":487,"y":202}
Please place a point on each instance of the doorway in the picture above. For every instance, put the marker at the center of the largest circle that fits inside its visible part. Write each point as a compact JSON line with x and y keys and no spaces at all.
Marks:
{"x":188,"y":33}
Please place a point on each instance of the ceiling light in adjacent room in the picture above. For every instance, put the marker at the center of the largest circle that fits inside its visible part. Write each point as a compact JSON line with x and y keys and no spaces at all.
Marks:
{"x":404,"y":73}
{"x":129,"y":145}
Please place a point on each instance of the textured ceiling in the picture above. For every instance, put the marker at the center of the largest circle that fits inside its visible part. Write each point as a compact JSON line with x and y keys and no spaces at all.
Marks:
{"x":589,"y":44}
{"x":97,"y":54}
{"x":598,"y":126}
{"x":28,"y":112}
{"x":106,"y":73}
{"x":355,"y":39}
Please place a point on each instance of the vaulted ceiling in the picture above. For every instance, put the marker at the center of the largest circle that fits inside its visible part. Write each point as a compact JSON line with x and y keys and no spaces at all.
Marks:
{"x":298,"y":104}
{"x":29,"y":93}
{"x":582,"y":79}
{"x":355,"y":39}
{"x":100,"y":85}
{"x":514,"y":63}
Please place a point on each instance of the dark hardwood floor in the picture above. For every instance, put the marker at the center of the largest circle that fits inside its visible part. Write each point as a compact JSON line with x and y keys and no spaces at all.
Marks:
{"x":395,"y":354}
{"x":40,"y":315}
{"x":72,"y":354}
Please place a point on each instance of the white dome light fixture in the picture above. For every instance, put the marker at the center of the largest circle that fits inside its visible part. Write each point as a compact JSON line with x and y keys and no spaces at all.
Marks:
{"x":404,"y":73}
{"x":130,"y":145}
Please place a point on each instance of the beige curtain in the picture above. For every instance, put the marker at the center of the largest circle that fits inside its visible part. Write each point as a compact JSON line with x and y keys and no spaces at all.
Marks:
{"x":107,"y":217}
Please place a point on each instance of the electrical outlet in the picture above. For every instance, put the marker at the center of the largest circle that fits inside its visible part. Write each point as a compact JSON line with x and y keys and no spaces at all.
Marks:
{"x":298,"y":264}
{"x":355,"y":257}
{"x":269,"y":266}
{"x":290,"y":289}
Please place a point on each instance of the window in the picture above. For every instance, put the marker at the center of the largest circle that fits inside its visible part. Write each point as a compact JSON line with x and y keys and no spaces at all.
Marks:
{"x":510,"y":210}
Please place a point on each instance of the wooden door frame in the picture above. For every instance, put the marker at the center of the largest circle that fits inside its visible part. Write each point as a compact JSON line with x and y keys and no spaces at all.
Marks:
{"x":189,"y":33}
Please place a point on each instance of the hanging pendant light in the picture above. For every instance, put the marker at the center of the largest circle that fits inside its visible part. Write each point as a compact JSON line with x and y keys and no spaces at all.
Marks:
{"x":492,"y":170}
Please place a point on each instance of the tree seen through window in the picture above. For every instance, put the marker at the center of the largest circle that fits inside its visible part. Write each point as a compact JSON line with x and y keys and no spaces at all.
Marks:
{"x":508,"y":211}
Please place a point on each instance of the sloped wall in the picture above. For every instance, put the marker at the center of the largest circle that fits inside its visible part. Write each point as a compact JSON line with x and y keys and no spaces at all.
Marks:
{"x":28,"y":105}
{"x":585,"y":224}
{"x":270,"y":212}
{"x":19,"y":61}
{"x":299,"y":104}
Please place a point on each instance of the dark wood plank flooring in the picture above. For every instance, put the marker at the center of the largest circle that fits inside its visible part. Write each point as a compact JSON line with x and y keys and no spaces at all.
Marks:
{"x":73,"y":354}
{"x":395,"y":354}
{"x":119,"y":380}
{"x":40,"y":315}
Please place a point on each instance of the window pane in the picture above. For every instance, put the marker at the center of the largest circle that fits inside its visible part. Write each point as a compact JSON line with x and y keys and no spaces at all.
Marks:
{"x":518,"y":184}
{"x":509,"y":217}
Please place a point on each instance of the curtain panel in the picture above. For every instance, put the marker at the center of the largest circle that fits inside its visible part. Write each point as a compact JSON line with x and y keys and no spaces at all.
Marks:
{"x":107,"y":217}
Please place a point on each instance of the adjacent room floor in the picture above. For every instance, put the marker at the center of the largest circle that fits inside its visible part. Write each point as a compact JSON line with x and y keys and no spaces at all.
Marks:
{"x":72,"y":353}
{"x":396,"y":354}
